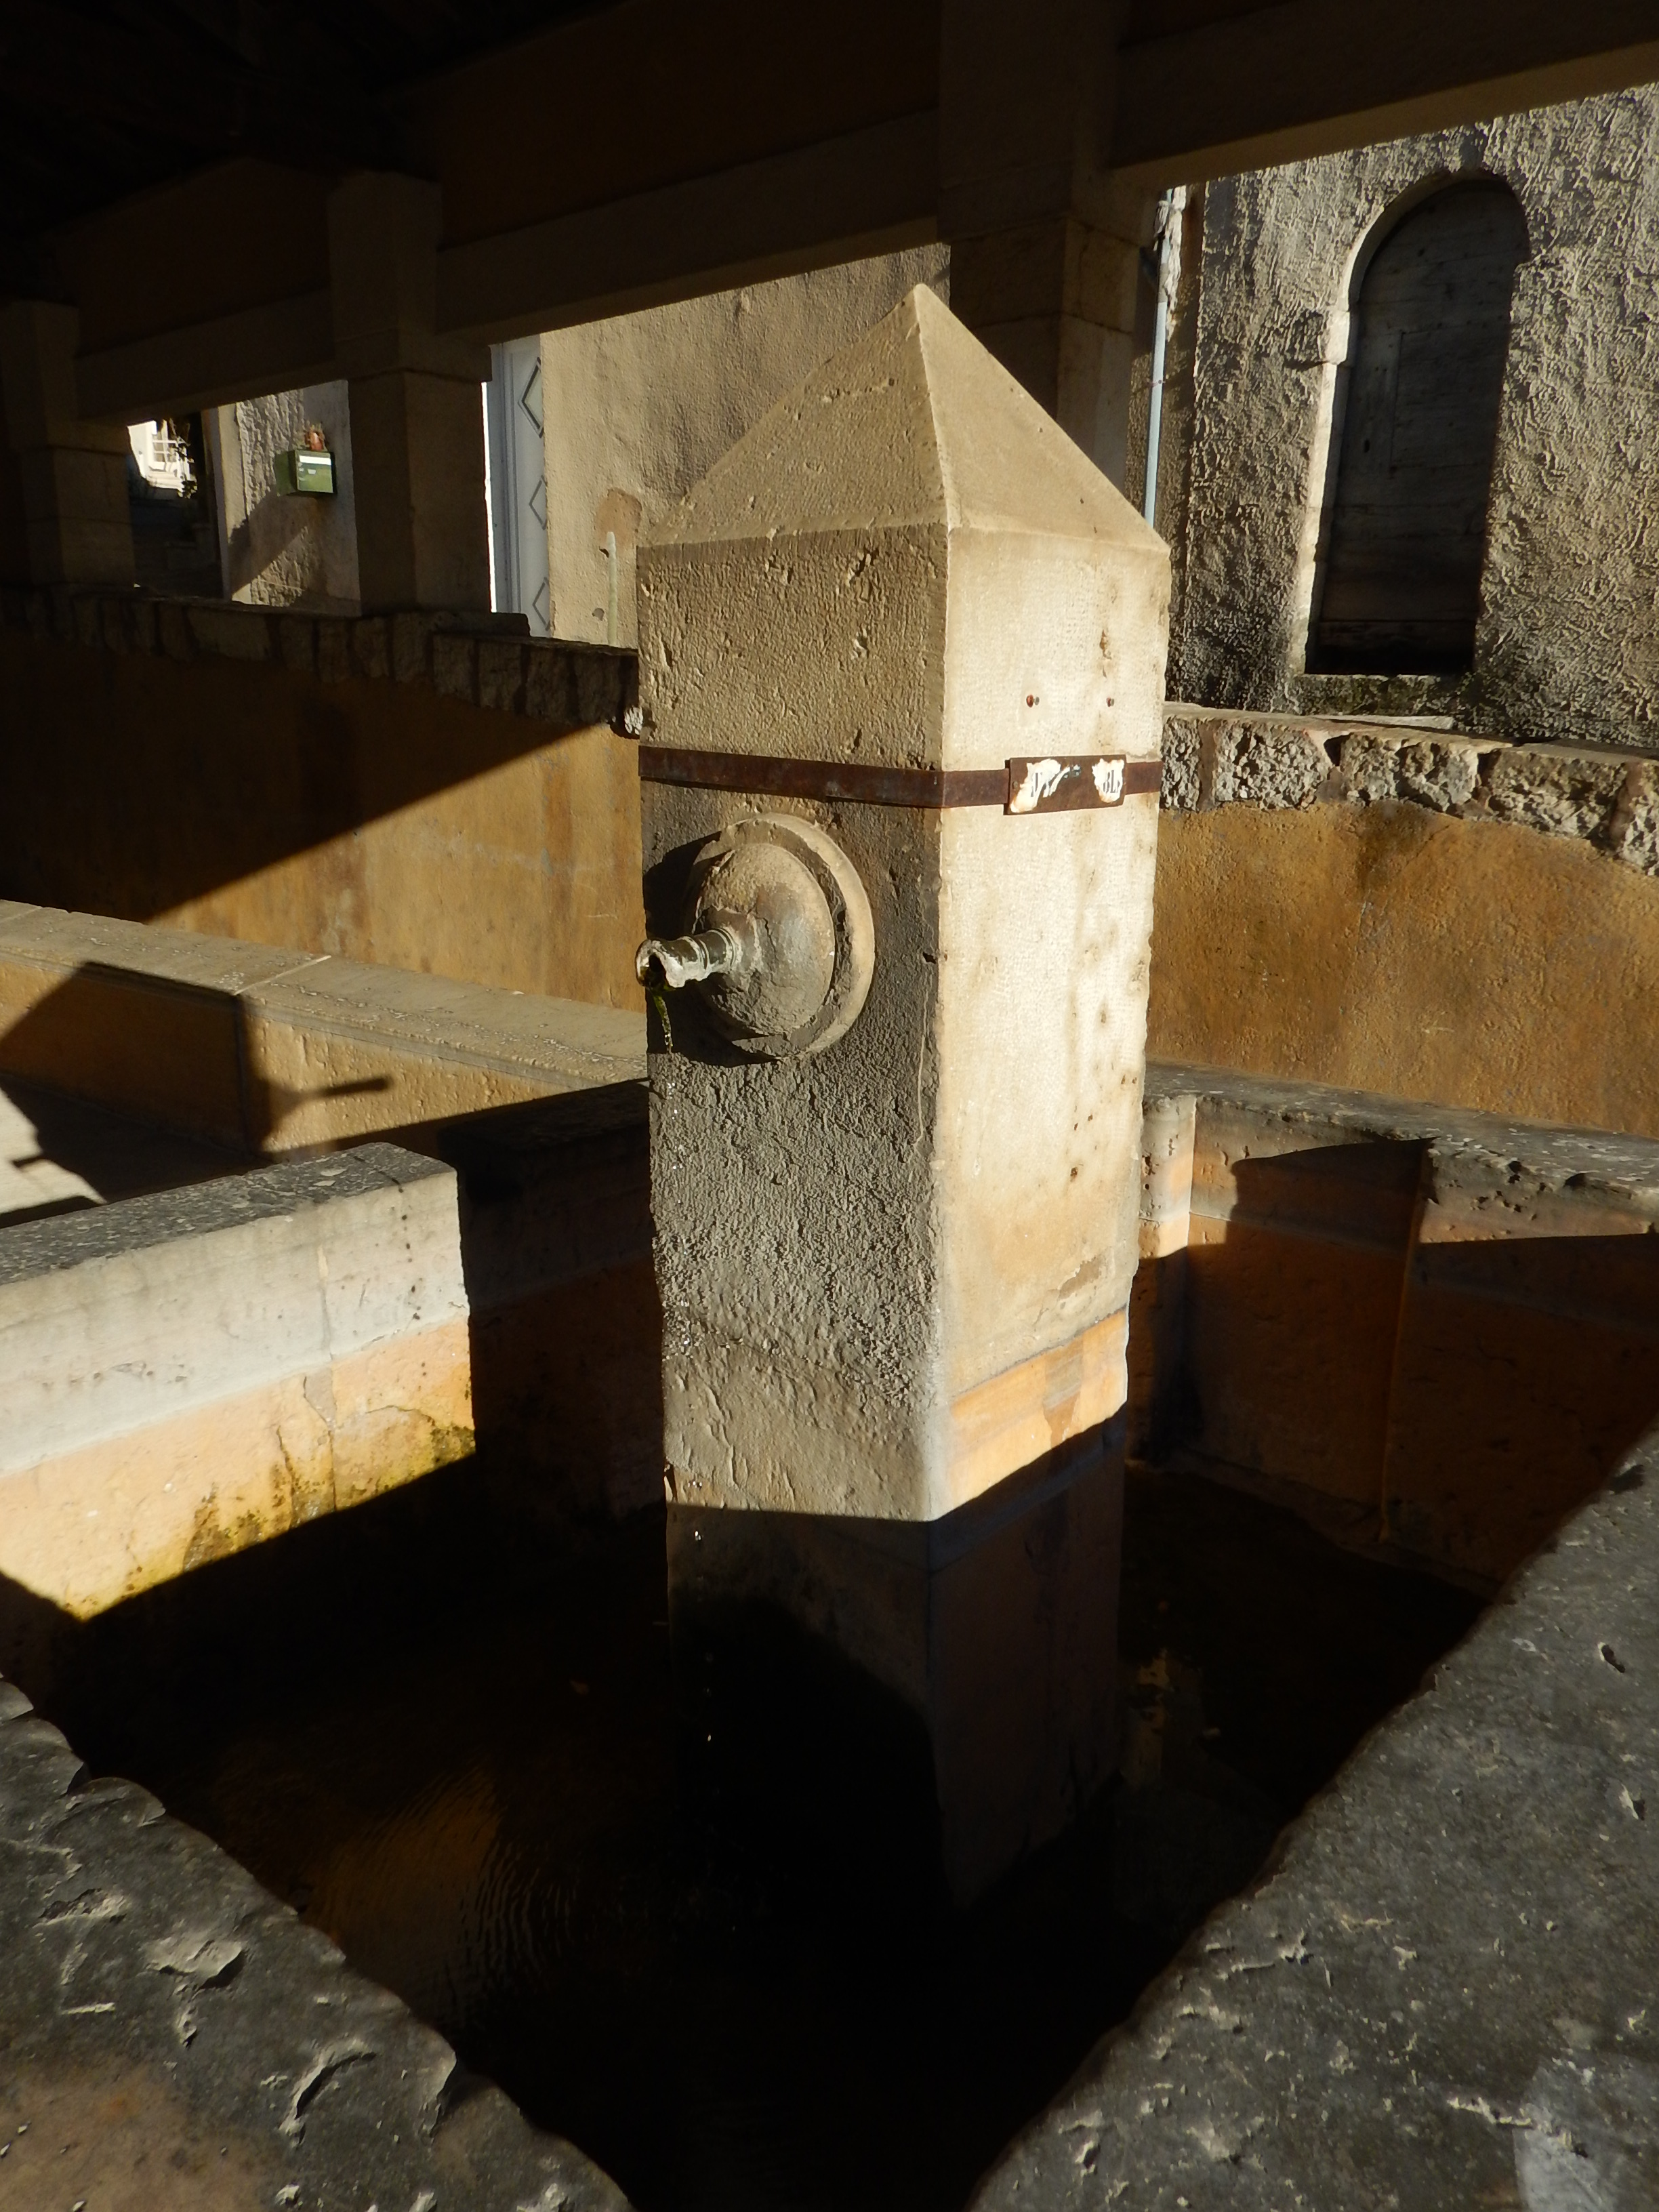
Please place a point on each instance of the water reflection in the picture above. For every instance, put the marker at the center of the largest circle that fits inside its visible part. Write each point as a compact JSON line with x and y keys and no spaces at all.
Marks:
{"x":452,"y":1747}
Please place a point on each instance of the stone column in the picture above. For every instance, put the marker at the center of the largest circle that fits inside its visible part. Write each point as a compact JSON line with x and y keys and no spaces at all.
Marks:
{"x":1046,"y":244}
{"x":68,"y":476}
{"x":895,"y":1249}
{"x":417,"y":443}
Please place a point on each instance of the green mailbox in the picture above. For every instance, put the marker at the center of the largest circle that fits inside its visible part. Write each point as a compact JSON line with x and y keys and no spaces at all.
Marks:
{"x":307,"y":469}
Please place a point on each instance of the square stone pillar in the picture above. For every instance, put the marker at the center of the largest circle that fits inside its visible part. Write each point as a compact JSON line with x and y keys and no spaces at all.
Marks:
{"x":418,"y":444}
{"x":894,"y":1254}
{"x":69,"y":476}
{"x":1048,"y":249}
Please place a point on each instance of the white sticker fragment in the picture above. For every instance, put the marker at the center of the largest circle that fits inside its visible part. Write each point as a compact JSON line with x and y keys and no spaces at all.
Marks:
{"x":1041,"y":779}
{"x":1108,"y":775}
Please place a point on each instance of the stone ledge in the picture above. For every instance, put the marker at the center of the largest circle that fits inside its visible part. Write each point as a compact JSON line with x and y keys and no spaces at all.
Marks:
{"x":163,"y":2013}
{"x":36,"y":1249}
{"x":267,"y":1049}
{"x":192,"y":1372}
{"x":1441,"y":1994}
{"x":1431,"y":1331}
{"x":481,"y":660}
{"x":1589,"y":1165}
{"x":1217,"y":757}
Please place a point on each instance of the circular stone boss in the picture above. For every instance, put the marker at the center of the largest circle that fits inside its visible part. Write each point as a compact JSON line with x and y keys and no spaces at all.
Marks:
{"x":795,"y":900}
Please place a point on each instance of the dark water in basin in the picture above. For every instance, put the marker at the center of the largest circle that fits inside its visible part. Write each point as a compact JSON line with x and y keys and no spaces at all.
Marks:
{"x":451,"y":1745}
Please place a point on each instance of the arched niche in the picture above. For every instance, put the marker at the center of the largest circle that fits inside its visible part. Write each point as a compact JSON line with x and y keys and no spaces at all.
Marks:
{"x":1398,"y":586}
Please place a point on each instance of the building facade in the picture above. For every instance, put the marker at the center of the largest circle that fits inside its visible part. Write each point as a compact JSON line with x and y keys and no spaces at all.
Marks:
{"x":1411,"y":430}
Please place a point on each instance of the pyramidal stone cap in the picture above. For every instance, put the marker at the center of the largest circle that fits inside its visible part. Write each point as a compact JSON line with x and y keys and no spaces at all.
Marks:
{"x":804,"y":599}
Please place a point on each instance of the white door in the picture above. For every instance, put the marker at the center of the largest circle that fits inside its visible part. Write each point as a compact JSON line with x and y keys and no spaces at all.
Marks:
{"x":518,"y":481}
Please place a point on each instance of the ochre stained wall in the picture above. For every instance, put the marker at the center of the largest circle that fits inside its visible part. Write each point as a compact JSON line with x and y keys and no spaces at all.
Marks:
{"x":1415,"y":954}
{"x":376,"y":820}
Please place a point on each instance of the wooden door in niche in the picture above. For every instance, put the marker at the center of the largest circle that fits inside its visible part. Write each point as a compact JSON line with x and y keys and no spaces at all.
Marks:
{"x":1400,"y":591}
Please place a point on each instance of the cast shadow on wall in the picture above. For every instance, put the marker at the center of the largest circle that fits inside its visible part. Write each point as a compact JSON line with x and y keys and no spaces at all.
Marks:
{"x":1448,"y":1384}
{"x":138,"y":785}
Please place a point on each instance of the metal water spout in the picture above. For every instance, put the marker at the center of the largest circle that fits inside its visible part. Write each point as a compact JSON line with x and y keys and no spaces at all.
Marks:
{"x":779,"y":936}
{"x":669,"y":964}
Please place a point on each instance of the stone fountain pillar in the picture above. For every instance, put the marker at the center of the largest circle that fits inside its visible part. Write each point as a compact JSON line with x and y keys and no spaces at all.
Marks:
{"x":902,"y":672}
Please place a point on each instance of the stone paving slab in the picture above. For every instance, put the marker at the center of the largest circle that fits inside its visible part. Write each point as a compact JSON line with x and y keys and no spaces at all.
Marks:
{"x":170,"y":2037}
{"x":1444,"y":1993}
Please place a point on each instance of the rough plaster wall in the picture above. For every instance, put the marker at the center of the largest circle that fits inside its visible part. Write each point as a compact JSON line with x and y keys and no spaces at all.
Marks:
{"x":1567,"y":646}
{"x":640,"y":408}
{"x":292,"y":551}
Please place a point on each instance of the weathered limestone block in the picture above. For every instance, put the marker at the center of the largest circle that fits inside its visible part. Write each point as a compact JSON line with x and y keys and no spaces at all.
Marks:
{"x":1548,"y":787}
{"x":501,"y":674}
{"x":1633,"y":832}
{"x":175,"y":2037}
{"x":233,"y":635}
{"x":371,"y":648}
{"x":895,"y":1273}
{"x":1276,"y":766}
{"x":1439,"y":772}
{"x":455,"y":666}
{"x":1181,"y":744}
{"x":1439,"y":1993}
{"x":186,"y":1374}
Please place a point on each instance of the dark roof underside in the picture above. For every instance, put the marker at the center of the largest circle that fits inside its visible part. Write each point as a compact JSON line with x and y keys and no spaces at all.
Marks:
{"x":99,"y":102}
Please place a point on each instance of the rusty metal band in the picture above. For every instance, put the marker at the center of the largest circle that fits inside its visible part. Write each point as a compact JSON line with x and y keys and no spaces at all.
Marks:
{"x":858,"y":782}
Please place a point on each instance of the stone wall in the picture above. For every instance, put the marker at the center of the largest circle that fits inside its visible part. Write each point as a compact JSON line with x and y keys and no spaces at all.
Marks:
{"x":411,"y":790}
{"x":285,"y":549}
{"x":1410,"y":913}
{"x":1433,"y":1331}
{"x":1567,"y":647}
